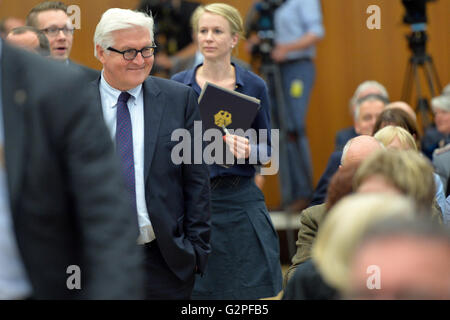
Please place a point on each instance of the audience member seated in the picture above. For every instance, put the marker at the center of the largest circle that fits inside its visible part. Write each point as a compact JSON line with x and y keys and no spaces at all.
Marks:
{"x":311,"y":218}
{"x":400,"y":172}
{"x":29,"y":38}
{"x":325,"y":274}
{"x":441,"y":163}
{"x":364,"y":89}
{"x":441,"y":156}
{"x":403,"y":106}
{"x":411,"y":259}
{"x":355,"y":151}
{"x":9,"y":23}
{"x":397,"y":117}
{"x":394,"y":137}
{"x":438,"y":136}
{"x":358,"y":148}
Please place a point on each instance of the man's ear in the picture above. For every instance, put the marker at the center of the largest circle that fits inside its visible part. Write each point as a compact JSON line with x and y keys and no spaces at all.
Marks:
{"x":100,"y":53}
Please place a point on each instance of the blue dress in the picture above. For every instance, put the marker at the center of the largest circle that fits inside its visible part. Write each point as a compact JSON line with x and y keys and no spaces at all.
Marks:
{"x":245,"y":256}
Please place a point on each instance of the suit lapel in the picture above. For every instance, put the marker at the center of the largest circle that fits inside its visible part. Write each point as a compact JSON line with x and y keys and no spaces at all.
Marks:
{"x":95,"y":87}
{"x":14,"y":102}
{"x":154,"y":103}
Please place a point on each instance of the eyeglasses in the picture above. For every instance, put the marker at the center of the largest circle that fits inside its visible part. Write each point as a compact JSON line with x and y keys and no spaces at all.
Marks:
{"x":130,"y":54}
{"x":54,"y":31}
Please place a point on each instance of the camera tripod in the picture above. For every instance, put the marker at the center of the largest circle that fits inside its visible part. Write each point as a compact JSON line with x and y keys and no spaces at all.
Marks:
{"x":421,"y":60}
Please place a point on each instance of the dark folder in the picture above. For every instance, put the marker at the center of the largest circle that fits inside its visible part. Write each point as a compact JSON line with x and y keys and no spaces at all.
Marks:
{"x":220,"y":107}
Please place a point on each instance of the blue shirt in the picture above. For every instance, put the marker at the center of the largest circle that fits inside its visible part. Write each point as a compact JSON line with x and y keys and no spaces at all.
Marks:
{"x":252,"y":85}
{"x":293,"y":19}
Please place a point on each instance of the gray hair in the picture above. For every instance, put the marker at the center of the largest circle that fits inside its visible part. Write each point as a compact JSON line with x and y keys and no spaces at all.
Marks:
{"x":441,"y":102}
{"x":446,"y":90}
{"x":363,"y":87}
{"x":115,"y":19}
{"x":370,"y":97}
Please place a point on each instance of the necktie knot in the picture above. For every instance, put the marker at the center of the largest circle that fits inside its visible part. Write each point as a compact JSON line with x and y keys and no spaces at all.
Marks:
{"x":124,"y":96}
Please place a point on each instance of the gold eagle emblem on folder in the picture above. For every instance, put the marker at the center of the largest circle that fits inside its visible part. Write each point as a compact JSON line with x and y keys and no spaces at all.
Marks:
{"x":222,"y":118}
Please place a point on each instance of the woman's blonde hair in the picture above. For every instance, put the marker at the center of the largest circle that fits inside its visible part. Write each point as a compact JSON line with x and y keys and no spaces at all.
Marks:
{"x":407,"y":170}
{"x":389,"y":133}
{"x":230,"y":13}
{"x":344,"y":227}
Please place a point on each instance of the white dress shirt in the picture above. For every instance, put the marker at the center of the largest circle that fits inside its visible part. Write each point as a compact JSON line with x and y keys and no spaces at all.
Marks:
{"x":109,"y":97}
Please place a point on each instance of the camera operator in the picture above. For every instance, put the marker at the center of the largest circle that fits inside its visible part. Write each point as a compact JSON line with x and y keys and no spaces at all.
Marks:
{"x":297,"y":28}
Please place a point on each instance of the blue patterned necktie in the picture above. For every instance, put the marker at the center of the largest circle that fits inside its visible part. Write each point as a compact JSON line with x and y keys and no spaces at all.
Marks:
{"x":124,"y":144}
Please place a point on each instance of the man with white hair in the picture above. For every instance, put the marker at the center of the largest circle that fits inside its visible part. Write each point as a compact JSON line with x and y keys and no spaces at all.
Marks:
{"x":171,"y":200}
{"x":441,"y":156}
{"x":438,"y":136}
{"x":364,"y":89}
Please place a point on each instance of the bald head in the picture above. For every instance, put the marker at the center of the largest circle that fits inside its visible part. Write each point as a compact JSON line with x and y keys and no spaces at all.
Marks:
{"x":28,"y":40}
{"x":403,"y":106}
{"x":358,"y":149}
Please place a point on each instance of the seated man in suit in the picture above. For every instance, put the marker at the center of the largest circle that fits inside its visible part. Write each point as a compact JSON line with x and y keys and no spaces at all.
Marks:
{"x":438,"y":136}
{"x":172,"y":200}
{"x":364,"y":89}
{"x":366,"y":112}
{"x":355,"y":151}
{"x":51,"y":18}
{"x":29,"y":38}
{"x":65,"y":231}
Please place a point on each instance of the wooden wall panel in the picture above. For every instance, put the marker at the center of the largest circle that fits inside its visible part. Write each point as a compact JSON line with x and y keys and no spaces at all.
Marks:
{"x":349,"y":54}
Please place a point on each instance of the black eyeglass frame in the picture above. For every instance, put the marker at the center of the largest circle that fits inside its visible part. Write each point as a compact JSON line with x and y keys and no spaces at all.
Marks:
{"x":67,"y":31}
{"x":135,"y":52}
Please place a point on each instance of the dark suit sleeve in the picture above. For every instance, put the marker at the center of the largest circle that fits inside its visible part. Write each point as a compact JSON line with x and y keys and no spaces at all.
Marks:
{"x":320,"y":193}
{"x":197,"y":222}
{"x":111,"y":262}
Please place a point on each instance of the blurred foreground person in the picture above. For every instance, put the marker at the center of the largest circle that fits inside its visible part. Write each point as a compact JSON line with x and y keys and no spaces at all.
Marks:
{"x":326,"y":274}
{"x":61,"y":208}
{"x":402,"y":260}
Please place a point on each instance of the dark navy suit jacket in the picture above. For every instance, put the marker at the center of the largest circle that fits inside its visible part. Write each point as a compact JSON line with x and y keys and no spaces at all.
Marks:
{"x":342,"y":136}
{"x":320,"y":193}
{"x":177,"y":196}
{"x":63,"y":182}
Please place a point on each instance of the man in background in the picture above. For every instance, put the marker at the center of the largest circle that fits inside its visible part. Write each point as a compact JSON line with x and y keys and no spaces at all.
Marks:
{"x":51,"y":18}
{"x":31,"y":39}
{"x":365,"y":88}
{"x":9,"y":23}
